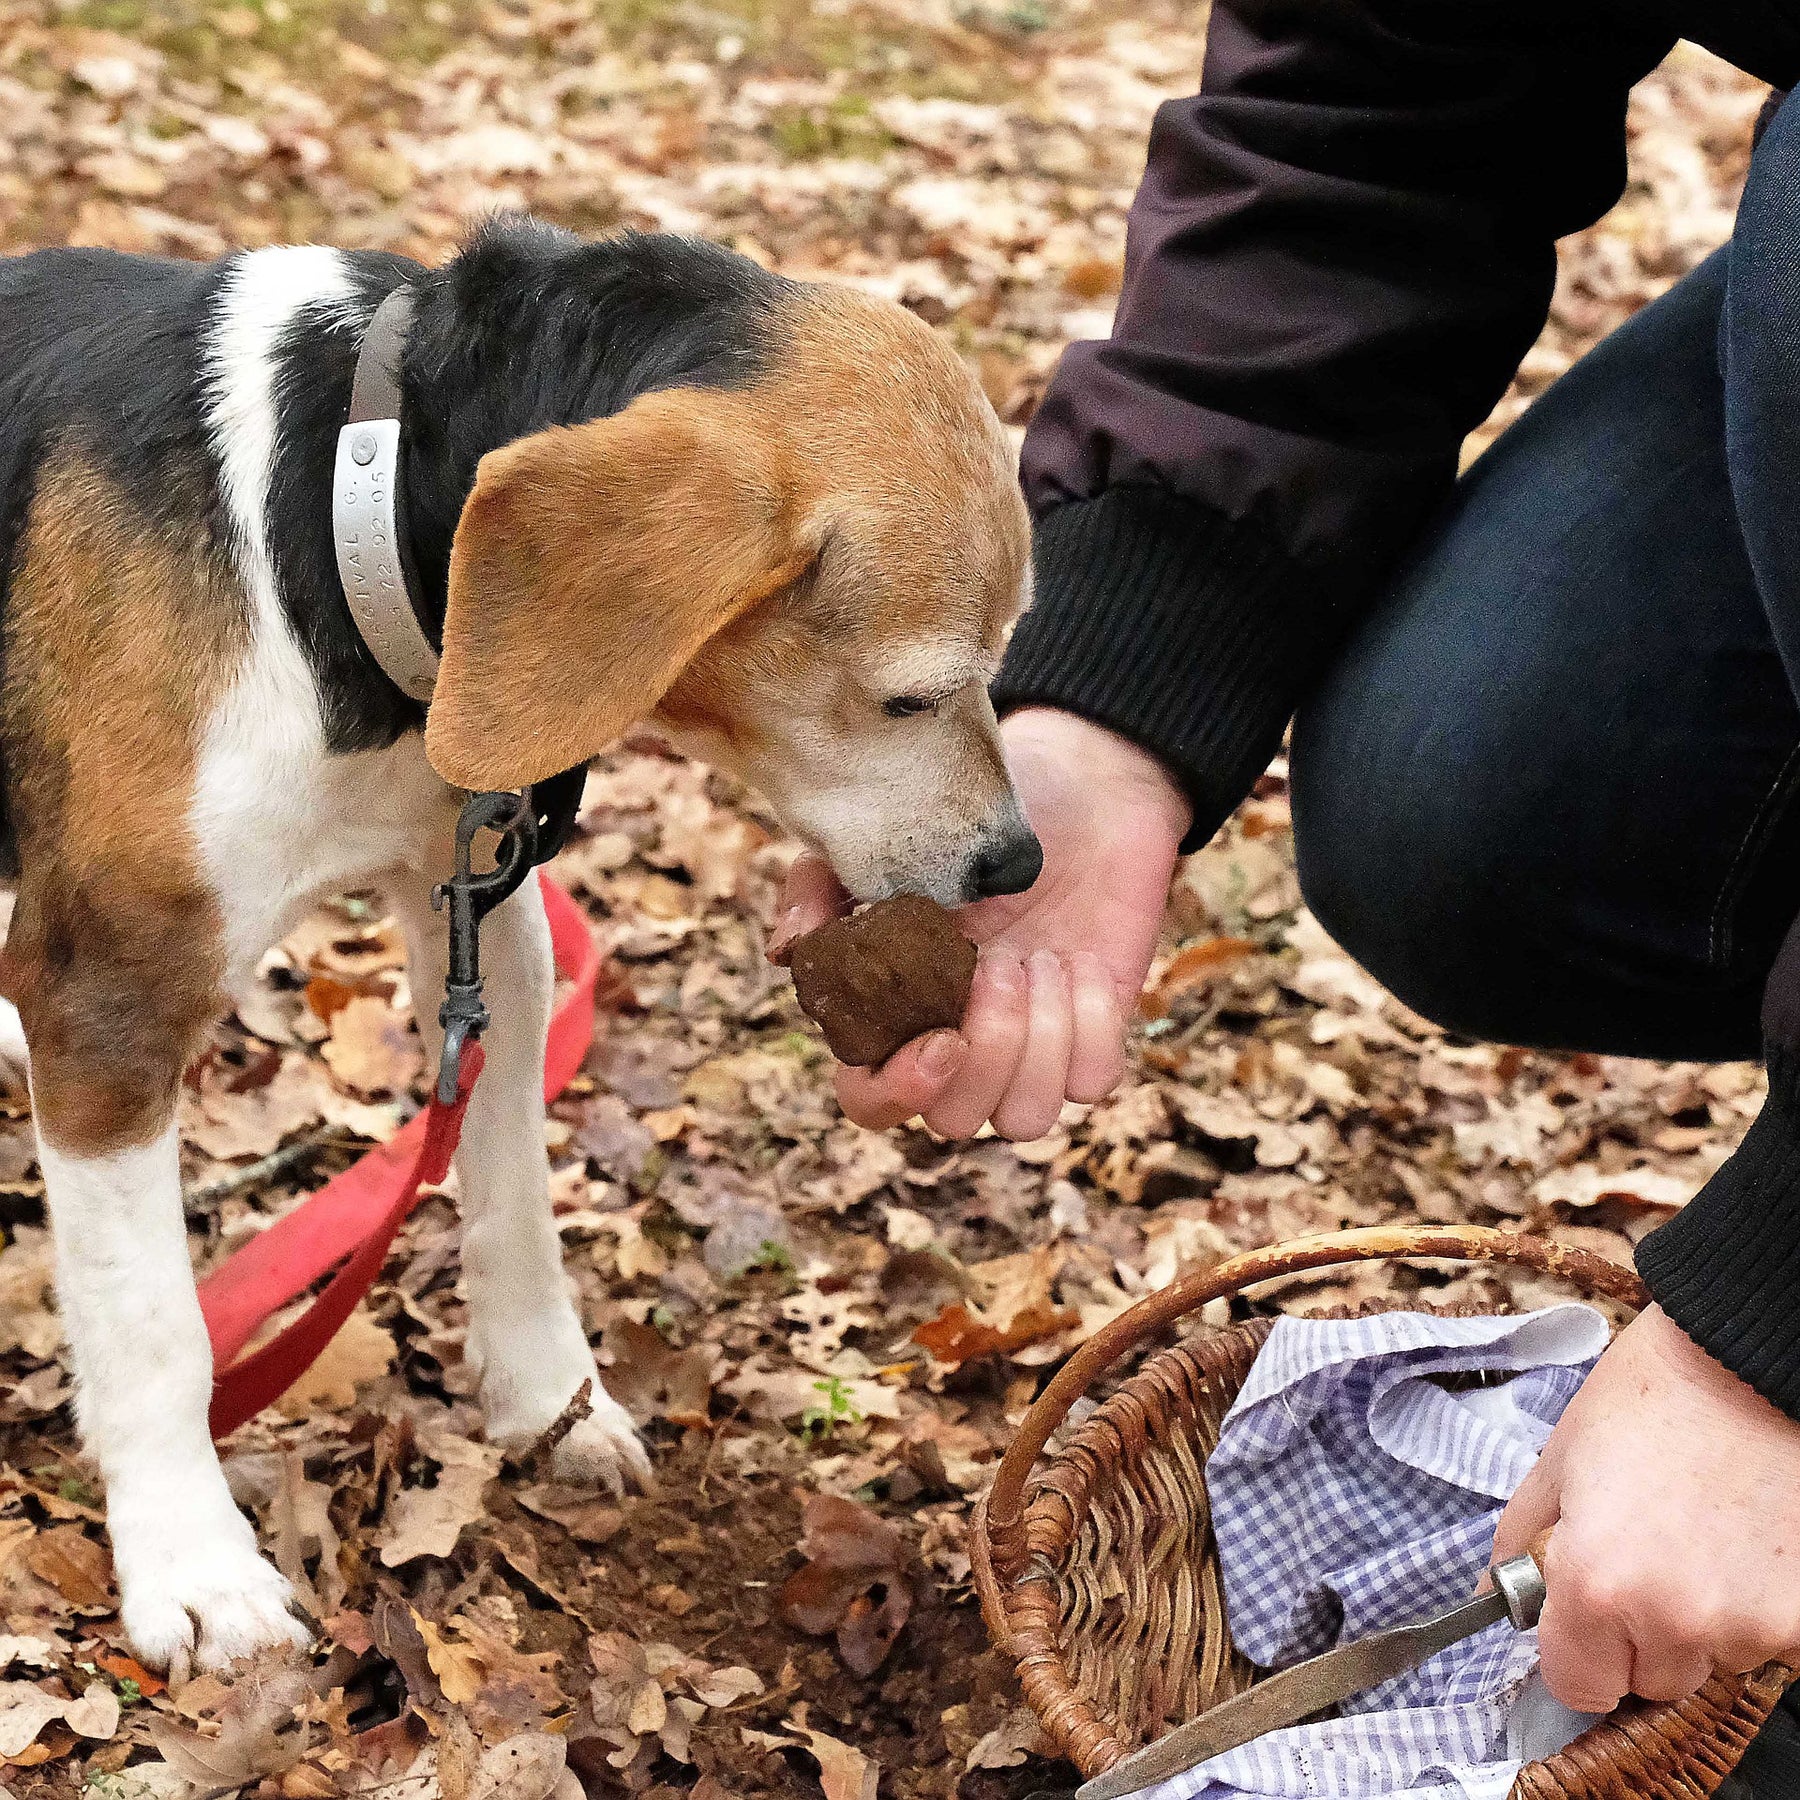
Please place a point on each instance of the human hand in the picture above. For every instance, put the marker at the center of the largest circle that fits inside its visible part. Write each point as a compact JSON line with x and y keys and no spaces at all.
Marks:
{"x":1674,"y":1493}
{"x":1061,"y":965}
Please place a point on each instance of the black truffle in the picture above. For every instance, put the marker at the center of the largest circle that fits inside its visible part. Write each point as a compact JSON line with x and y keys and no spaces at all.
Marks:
{"x":883,"y":977}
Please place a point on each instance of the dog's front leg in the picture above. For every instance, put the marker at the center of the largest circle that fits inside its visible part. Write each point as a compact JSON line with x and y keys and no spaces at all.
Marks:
{"x":525,"y":1337}
{"x":194,"y":1592}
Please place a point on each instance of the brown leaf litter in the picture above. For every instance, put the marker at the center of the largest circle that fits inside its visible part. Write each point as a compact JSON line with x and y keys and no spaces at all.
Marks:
{"x":827,"y":1336}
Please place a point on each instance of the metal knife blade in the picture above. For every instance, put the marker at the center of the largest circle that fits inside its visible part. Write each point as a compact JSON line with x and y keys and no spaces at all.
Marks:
{"x":1294,"y":1694}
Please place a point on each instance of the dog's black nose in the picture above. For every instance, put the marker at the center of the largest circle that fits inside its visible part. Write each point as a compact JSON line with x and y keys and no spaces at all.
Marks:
{"x":1008,"y":865}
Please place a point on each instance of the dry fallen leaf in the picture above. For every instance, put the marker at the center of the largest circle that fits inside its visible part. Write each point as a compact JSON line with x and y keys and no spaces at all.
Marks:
{"x":652,"y":1379}
{"x":361,"y":1351}
{"x":724,"y":1687}
{"x":789,"y":1393}
{"x":503,"y":1689}
{"x":611,"y":1133}
{"x":854,"y":1583}
{"x":457,"y":1668}
{"x":73,"y":1563}
{"x":245,"y":1730}
{"x":526,"y":1767}
{"x":624,"y":1695}
{"x":27,"y":1652}
{"x":1019,"y":1312}
{"x":427,"y":1521}
{"x":230,"y":1124}
{"x":585,"y":1518}
{"x":371,"y":1049}
{"x":1648,"y":1188}
{"x":127,"y":1668}
{"x":1193,"y":966}
{"x":844,"y":1772}
{"x":301,"y":1524}
{"x":1017,"y":1736}
{"x":28,"y":1320}
{"x":25,"y":1709}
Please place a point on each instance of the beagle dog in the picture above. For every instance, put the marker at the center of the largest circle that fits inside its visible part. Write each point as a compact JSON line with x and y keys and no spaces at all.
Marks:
{"x":642,"y":479}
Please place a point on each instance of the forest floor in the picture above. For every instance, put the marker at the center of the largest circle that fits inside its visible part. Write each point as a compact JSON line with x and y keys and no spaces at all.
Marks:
{"x":793,"y":1308}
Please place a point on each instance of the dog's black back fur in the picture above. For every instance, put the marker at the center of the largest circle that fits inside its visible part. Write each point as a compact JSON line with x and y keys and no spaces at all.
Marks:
{"x":525,"y":328}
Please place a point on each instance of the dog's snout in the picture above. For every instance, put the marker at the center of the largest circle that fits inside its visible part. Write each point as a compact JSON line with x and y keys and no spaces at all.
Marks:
{"x":1008,"y":865}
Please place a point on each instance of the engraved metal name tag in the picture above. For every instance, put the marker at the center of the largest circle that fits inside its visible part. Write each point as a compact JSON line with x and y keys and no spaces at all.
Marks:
{"x":368,"y":555}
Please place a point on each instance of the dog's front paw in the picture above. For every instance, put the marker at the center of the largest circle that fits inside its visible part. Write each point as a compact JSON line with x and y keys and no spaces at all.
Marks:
{"x":202,"y":1600}
{"x":604,"y":1449}
{"x":601,"y":1450}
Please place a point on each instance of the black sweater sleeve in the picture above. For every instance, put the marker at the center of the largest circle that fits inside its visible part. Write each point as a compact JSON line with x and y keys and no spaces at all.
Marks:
{"x":1341,"y":250}
{"x":1726,"y":1269}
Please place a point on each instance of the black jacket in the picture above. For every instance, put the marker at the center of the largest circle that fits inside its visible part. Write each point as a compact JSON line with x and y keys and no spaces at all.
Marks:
{"x":1342,"y":248}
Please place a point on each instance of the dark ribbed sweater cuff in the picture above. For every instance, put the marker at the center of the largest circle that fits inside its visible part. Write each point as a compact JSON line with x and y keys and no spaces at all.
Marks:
{"x":1188,"y":632}
{"x":1726,"y":1269}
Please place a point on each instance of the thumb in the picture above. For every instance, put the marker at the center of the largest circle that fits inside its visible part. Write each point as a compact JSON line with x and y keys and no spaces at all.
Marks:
{"x":811,"y":895}
{"x":1532,"y":1514}
{"x":909,"y":1082}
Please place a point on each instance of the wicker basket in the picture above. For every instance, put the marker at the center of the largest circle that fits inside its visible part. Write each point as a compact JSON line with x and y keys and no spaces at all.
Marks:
{"x":1103,"y":1582}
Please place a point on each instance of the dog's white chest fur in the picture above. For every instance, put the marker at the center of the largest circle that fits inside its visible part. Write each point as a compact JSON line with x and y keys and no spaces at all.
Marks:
{"x":280,"y":824}
{"x":278,"y":820}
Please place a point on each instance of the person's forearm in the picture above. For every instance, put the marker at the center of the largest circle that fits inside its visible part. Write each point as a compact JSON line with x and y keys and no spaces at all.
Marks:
{"x":1726,"y":1269}
{"x":1341,"y":249}
{"x":1174,"y":629}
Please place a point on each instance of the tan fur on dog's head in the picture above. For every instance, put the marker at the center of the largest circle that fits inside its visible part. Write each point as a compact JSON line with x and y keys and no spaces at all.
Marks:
{"x":806,"y":580}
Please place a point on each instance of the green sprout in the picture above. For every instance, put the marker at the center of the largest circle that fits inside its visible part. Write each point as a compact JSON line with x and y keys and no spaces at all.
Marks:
{"x":773,"y":1256}
{"x":837,"y":1408}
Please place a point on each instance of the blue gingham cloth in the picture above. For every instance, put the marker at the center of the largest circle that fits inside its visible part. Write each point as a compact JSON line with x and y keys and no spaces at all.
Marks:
{"x":1350,"y":1492}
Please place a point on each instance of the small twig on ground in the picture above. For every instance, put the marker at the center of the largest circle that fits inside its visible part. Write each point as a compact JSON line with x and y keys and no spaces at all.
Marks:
{"x":535,"y":1455}
{"x":265,"y":1168}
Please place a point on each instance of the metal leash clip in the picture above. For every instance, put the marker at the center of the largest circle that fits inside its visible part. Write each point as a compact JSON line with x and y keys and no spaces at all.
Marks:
{"x":470,"y":898}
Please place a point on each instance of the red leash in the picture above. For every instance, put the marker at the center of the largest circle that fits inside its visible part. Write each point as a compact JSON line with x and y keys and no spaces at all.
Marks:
{"x":356,"y":1215}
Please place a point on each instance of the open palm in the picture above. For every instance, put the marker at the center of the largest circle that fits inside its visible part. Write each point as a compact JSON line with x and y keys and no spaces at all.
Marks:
{"x":1061,"y":964}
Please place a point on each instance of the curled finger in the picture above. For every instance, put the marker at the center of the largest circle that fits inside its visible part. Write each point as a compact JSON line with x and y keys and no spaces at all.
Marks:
{"x":811,"y":895}
{"x":1585,"y":1642}
{"x":1097,"y":1052}
{"x":1669,"y":1668}
{"x":1034,"y":1098}
{"x":1762,"y":1628}
{"x":1530,"y":1516}
{"x":994,"y":1024}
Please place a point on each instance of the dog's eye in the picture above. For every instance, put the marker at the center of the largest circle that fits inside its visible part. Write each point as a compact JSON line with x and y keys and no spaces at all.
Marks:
{"x":904,"y":706}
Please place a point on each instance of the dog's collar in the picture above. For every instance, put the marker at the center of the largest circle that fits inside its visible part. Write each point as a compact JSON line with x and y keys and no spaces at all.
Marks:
{"x":365,"y":508}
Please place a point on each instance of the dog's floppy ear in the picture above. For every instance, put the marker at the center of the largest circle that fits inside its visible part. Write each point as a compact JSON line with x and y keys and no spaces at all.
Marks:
{"x":590,"y":565}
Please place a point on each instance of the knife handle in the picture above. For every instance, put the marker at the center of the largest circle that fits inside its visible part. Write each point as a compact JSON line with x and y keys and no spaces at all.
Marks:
{"x":1520,"y":1583}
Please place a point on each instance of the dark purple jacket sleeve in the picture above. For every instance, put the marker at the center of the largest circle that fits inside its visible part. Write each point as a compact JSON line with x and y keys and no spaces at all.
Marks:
{"x":1342,"y":248}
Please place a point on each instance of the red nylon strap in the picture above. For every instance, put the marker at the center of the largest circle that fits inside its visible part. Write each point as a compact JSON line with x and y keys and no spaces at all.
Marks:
{"x":353,"y":1219}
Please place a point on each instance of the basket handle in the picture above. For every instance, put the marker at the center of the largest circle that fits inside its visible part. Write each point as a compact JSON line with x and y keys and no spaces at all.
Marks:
{"x":1592,"y":1275}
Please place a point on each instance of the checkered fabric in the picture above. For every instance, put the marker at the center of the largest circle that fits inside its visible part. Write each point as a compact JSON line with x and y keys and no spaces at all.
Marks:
{"x":1352,"y":1491}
